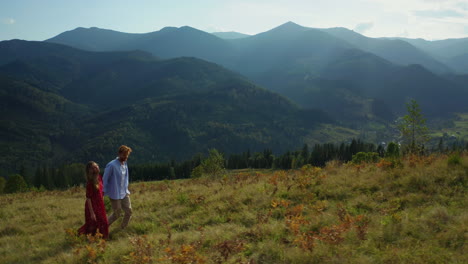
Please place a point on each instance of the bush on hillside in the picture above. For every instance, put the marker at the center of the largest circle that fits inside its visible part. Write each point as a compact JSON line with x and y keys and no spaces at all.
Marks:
{"x":393,"y":150}
{"x":365,"y":157}
{"x":15,"y":183}
{"x":213,"y":165}
{"x":454,"y":159}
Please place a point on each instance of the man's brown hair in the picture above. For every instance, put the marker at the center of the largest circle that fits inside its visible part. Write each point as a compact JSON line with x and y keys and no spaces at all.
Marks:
{"x":125,"y":149}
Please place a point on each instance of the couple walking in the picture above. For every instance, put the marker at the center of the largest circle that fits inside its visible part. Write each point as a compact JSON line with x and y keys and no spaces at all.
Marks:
{"x":114,"y":184}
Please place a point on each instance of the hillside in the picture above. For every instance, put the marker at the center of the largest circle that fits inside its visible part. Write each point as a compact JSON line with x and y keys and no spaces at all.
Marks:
{"x":165,"y":109}
{"x":459,"y":62}
{"x":33,"y":123}
{"x":414,"y":213}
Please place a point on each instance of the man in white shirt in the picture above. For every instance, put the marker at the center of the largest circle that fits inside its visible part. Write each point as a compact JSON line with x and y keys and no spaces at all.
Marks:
{"x":115,"y":181}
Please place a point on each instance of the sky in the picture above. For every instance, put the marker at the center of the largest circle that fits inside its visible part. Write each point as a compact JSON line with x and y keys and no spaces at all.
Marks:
{"x":44,"y":19}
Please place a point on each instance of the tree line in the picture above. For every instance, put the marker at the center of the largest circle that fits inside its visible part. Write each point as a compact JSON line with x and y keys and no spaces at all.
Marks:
{"x":66,"y":176}
{"x":412,"y":127}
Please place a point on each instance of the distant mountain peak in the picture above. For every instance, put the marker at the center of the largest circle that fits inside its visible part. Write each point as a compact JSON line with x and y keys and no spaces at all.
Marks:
{"x":290,"y":25}
{"x":87,"y":29}
{"x":168,"y":29}
{"x":286,"y":28}
{"x":180,"y":29}
{"x":187,"y":27}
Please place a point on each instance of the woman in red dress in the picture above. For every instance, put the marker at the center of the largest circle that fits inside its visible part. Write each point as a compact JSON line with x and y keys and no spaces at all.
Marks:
{"x":95,"y":212}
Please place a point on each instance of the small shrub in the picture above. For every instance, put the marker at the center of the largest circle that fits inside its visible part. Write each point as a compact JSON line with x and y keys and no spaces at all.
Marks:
{"x":15,"y":183}
{"x":228,"y":248}
{"x":197,"y":172}
{"x":361,"y":223}
{"x":183,"y":198}
{"x":38,"y":190}
{"x":454,"y":160}
{"x":89,"y":247}
{"x":142,"y":251}
{"x":393,"y":150}
{"x":213,"y":165}
{"x":365,"y":157}
{"x":185,"y":254}
{"x":389,"y":163}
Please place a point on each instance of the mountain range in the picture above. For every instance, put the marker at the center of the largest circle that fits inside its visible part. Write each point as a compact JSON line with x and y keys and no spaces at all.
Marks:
{"x":61,"y":104}
{"x":179,"y":91}
{"x":308,"y":64}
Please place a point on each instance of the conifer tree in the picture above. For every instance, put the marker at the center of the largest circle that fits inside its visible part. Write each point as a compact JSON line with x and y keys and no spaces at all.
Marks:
{"x":305,"y":152}
{"x":2,"y":184}
{"x":413,"y":128}
{"x":393,"y":150}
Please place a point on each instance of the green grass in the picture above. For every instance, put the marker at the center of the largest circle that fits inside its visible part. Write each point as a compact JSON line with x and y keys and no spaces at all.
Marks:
{"x":330,"y":133}
{"x":460,"y":128}
{"x":415,"y":213}
{"x":461,"y":125}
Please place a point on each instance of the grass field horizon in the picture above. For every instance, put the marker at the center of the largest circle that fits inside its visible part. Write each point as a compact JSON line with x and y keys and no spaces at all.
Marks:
{"x":412,"y":211}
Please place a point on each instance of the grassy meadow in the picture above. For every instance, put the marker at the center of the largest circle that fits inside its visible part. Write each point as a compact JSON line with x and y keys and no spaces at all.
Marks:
{"x":458,"y":129}
{"x":409,"y":211}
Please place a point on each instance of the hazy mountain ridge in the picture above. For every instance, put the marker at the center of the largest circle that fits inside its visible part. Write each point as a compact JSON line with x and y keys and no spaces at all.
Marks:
{"x":453,"y":52}
{"x":96,"y":39}
{"x":169,"y":42}
{"x":394,"y":50}
{"x":400,"y":52}
{"x":289,"y":57}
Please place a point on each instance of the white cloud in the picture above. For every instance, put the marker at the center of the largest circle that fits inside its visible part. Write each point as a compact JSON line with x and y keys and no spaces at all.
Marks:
{"x":407,"y":6}
{"x":8,"y":21}
{"x":429,"y":19}
{"x":462,"y":5}
{"x":438,"y":13}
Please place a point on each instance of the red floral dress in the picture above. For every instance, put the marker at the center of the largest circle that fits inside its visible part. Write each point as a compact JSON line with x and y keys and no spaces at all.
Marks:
{"x":97,"y":201}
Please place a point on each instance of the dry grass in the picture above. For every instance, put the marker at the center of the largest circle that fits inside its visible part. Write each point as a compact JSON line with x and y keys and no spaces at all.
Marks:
{"x":414,"y":213}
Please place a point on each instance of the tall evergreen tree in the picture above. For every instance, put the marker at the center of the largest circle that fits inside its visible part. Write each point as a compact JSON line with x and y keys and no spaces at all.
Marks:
{"x":2,"y":184}
{"x":305,"y":152}
{"x":39,"y":177}
{"x":440,"y":146}
{"x":413,"y":128}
